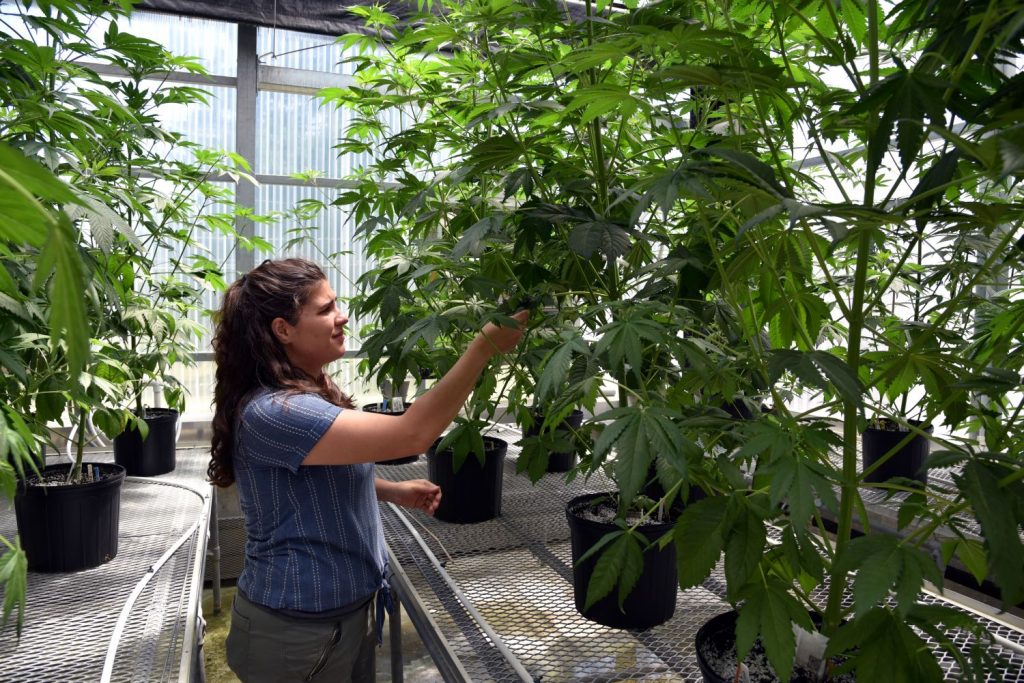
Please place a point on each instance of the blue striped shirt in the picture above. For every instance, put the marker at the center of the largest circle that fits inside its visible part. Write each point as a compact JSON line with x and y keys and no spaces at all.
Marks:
{"x":315,"y":541}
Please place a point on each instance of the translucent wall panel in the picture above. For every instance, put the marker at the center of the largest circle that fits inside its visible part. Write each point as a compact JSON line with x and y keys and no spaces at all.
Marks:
{"x":296,"y":133}
{"x":211,"y":125}
{"x":294,"y":50}
{"x":200,"y":382}
{"x":327,"y":239}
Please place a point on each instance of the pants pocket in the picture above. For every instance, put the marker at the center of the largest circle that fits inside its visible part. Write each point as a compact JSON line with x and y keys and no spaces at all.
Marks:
{"x":237,"y":643}
{"x":325,"y":653}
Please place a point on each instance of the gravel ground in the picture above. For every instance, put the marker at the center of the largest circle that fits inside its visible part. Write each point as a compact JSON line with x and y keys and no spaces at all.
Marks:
{"x":419,"y":668}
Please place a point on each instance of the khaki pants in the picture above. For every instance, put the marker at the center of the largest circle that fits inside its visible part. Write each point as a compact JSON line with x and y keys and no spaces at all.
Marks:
{"x":265,"y":647}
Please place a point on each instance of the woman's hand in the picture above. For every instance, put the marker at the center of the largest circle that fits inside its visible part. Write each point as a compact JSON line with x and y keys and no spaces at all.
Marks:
{"x":495,"y":339}
{"x":416,"y":494}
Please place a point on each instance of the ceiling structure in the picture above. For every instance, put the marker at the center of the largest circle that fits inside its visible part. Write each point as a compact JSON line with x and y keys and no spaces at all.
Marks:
{"x":328,"y":17}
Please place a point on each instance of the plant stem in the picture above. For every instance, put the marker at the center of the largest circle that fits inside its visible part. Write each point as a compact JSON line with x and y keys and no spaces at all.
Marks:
{"x":76,"y":470}
{"x":851,"y":411}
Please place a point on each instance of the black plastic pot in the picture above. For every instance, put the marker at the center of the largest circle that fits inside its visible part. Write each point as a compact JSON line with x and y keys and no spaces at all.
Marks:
{"x":716,"y":641}
{"x":383,"y":409}
{"x":717,"y":635}
{"x":66,"y":528}
{"x":908,"y":462}
{"x":740,"y":409}
{"x":558,"y":462}
{"x":473,"y":494}
{"x":156,"y":453}
{"x":653,"y":600}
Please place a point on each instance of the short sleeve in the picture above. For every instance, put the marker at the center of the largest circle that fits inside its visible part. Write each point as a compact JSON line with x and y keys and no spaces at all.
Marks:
{"x":280,"y":429}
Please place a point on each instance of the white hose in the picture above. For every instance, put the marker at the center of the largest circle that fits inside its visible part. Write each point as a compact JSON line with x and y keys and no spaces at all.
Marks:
{"x":122,"y":619}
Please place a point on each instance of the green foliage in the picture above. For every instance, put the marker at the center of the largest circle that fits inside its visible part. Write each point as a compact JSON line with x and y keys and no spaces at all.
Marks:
{"x":768,"y":613}
{"x":996,"y":500}
{"x":13,"y":570}
{"x":883,"y":562}
{"x":620,"y":563}
{"x":885,"y":646}
{"x":96,"y":222}
{"x":644,"y":175}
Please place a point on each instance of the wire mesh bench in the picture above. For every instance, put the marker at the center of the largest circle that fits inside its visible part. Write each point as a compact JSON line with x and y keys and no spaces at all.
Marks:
{"x":135,"y":618}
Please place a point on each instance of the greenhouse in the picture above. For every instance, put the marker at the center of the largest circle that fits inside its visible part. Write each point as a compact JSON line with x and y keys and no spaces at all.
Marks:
{"x":512,"y":340}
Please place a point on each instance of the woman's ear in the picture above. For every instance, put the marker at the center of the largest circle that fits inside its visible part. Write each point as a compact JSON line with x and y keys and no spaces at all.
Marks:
{"x":281,"y":329}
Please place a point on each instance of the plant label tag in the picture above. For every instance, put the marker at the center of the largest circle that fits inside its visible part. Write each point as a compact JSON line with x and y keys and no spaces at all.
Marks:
{"x":810,"y":650}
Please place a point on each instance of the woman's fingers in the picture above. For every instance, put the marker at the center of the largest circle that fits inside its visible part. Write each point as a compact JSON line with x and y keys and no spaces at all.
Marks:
{"x":504,"y":339}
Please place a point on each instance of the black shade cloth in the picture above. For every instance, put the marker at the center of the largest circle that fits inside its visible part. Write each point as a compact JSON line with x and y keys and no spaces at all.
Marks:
{"x":311,"y":16}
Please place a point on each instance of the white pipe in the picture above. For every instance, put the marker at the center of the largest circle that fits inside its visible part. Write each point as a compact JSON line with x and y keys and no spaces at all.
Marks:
{"x":524,"y":675}
{"x":192,"y":613}
{"x":122,"y":619}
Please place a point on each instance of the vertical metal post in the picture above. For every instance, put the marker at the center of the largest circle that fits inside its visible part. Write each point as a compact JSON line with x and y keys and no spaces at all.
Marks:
{"x":245,"y":137}
{"x":213,"y":552}
{"x":395,"y":628}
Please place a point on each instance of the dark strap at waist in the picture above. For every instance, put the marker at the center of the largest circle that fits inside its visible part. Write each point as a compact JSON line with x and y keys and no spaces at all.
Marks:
{"x":300,"y":615}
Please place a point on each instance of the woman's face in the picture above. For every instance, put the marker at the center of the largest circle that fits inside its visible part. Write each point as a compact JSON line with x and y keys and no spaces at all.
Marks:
{"x":318,"y":336}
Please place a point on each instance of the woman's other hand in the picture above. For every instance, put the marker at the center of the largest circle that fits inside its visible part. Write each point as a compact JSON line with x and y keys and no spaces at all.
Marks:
{"x":416,"y":494}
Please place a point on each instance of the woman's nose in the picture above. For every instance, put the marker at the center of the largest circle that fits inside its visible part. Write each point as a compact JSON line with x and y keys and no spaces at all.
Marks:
{"x":342,"y":319}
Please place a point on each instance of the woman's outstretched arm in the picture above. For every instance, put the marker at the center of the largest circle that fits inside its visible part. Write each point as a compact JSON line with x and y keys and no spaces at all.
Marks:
{"x":357,"y":436}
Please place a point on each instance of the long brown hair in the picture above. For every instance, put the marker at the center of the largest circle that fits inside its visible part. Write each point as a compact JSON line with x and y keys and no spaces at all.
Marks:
{"x":249,"y":356}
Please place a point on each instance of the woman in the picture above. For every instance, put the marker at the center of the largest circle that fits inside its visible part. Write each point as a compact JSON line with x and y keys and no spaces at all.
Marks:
{"x":315,"y":557}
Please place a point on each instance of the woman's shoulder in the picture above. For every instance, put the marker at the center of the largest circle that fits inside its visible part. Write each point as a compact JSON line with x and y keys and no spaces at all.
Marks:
{"x":275,"y":403}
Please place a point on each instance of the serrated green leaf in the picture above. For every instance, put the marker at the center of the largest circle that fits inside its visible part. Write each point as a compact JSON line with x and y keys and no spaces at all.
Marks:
{"x":885,"y":648}
{"x":50,"y":405}
{"x":768,"y":613}
{"x":555,"y":371}
{"x":632,"y":567}
{"x":14,"y":577}
{"x":618,"y":559}
{"x":994,"y":507}
{"x":699,"y":540}
{"x":648,"y":431}
{"x":590,"y":237}
{"x":744,"y":547}
{"x":792,"y":481}
{"x":67,"y":309}
{"x":623,"y":340}
{"x":855,"y":18}
{"x":610,"y":433}
{"x":533,"y":459}
{"x":972,"y":555}
{"x":13,"y":365}
{"x":758,"y":171}
{"x":883,"y":562}
{"x":496,"y":152}
{"x":839,"y":374}
{"x":474,"y":239}
{"x":24,"y":181}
